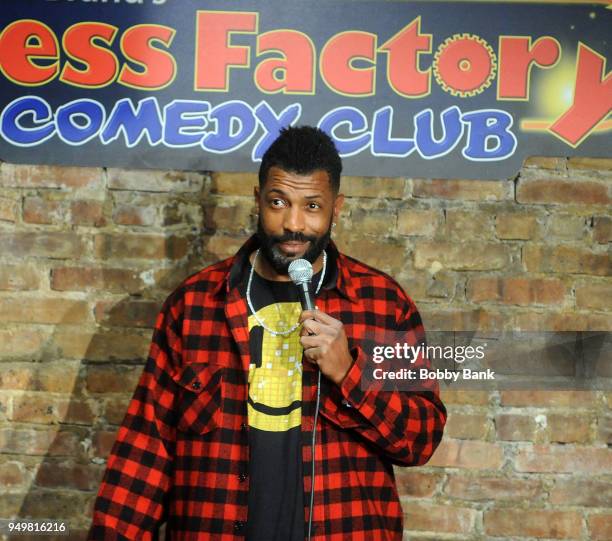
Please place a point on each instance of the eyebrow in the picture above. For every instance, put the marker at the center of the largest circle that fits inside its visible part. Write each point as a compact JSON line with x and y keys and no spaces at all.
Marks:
{"x":277,"y":190}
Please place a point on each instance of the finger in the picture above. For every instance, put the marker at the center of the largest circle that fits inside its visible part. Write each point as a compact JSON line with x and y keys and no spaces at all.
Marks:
{"x":307,"y":314}
{"x":313,"y":327}
{"x":312,"y":354}
{"x":310,"y":341}
{"x":326,"y":319}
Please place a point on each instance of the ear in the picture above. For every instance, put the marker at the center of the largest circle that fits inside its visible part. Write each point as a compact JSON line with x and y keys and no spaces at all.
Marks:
{"x":256,"y":195}
{"x":338,"y":202}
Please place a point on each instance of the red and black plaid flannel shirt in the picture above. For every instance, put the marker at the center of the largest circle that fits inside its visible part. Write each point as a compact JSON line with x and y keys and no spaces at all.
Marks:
{"x":181,"y":454}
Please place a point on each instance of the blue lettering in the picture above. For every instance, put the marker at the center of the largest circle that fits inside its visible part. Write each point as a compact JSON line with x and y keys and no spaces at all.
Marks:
{"x":486,"y":127}
{"x":236,"y":124}
{"x":356,"y":122}
{"x":428,"y":146}
{"x":185,"y":122}
{"x":382,"y":142}
{"x":76,"y":134}
{"x":273,"y":124}
{"x":135,"y":124}
{"x":14,"y":132}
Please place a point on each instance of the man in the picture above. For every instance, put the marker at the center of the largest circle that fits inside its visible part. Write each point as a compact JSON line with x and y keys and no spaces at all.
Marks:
{"x":218,"y":438}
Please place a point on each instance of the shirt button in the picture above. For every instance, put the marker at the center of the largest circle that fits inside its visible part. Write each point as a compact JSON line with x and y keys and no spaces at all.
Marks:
{"x":238,"y":526}
{"x":346,"y":404}
{"x":196,"y":384}
{"x":243,"y":427}
{"x":243,"y":477}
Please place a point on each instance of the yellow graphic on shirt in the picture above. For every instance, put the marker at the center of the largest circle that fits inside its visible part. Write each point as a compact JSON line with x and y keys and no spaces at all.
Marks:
{"x":275,"y":384}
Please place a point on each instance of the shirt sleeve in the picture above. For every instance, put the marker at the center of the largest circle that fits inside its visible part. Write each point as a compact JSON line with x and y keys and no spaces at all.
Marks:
{"x":406,"y":426}
{"x":131,"y":499}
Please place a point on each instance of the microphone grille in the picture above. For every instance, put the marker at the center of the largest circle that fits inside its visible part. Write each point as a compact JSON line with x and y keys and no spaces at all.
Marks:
{"x":300,"y":271}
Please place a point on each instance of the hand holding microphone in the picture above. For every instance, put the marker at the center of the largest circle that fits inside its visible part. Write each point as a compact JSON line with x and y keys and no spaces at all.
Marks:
{"x":322,"y":337}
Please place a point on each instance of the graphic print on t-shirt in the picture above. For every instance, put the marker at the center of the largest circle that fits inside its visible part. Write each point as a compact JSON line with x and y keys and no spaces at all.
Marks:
{"x":275,"y":372}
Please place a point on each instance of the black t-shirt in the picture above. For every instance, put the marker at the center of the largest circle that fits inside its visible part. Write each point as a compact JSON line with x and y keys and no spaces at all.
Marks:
{"x":276,"y":484}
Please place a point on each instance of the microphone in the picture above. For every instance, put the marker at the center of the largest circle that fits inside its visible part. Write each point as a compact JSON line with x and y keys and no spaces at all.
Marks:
{"x":300,"y":272}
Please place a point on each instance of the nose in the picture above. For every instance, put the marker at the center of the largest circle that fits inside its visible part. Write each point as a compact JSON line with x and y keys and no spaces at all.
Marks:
{"x":293,"y":219}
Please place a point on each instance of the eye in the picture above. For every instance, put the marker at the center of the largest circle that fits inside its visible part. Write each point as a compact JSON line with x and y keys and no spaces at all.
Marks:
{"x":314,"y":205}
{"x":277,"y":203}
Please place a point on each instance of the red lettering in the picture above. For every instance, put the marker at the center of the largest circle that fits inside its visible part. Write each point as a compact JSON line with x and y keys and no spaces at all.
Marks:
{"x":516,"y":58}
{"x":159,"y":67}
{"x":101,"y":65}
{"x":404,"y":50}
{"x":294,"y":72}
{"x":215,"y":55}
{"x":336,"y":63}
{"x":22,"y":42}
{"x":592,"y":98}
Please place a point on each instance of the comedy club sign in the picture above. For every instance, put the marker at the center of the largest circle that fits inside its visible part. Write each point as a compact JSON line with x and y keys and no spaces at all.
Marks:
{"x":423,"y":89}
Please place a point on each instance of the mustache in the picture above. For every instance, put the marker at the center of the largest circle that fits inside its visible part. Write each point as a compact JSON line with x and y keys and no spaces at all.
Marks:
{"x":293,"y":237}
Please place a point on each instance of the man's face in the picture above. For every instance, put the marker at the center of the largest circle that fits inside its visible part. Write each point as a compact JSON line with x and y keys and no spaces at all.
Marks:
{"x":295,"y":216}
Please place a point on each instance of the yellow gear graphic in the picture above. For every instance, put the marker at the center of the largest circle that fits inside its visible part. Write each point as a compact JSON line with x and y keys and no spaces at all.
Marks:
{"x":447,"y":45}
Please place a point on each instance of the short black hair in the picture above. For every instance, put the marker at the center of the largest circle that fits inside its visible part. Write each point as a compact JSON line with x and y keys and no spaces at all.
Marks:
{"x":302,"y":150}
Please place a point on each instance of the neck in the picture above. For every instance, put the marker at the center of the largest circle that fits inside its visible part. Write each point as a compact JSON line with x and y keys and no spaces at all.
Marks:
{"x":265,"y":270}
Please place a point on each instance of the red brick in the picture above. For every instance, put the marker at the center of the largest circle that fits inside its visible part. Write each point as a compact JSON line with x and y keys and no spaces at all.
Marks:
{"x":127,"y":313}
{"x":462,"y":320}
{"x":563,"y":459}
{"x":34,"y":408}
{"x":111,"y":280}
{"x":128,"y":246}
{"x":8,"y":210}
{"x":546,"y":523}
{"x":59,"y":376}
{"x":467,"y":425}
{"x":465,"y":190}
{"x":515,"y":427}
{"x":87,"y":213}
{"x":19,"y":278}
{"x":56,"y":245}
{"x":516,"y":226}
{"x":37,"y":210}
{"x":594,"y":164}
{"x":49,"y":176}
{"x":439,"y":518}
{"x":150,"y":180}
{"x":604,"y":428}
{"x":19,"y":343}
{"x":566,"y":259}
{"x":546,"y":162}
{"x":49,"y":441}
{"x":387,"y":256}
{"x":103,"y":441}
{"x":67,"y":474}
{"x":468,"y":225}
{"x":218,"y":247}
{"x":519,"y":291}
{"x":581,"y":492}
{"x":484,"y":488}
{"x":594,"y":296}
{"x":567,"y":226}
{"x":600,"y":527}
{"x":561,"y":321}
{"x":573,"y":399}
{"x":563,"y":192}
{"x":464,"y":397}
{"x":569,"y":428}
{"x":477,"y":455}
{"x":69,"y":505}
{"x":602,"y":229}
{"x":12,"y":474}
{"x":461,"y":256}
{"x":112,"y":378}
{"x":44,"y":310}
{"x":114,"y":409}
{"x":231,"y":218}
{"x":126,"y":214}
{"x":375,"y":222}
{"x":418,"y":222}
{"x":123,"y":346}
{"x":393,"y":188}
{"x":417,"y":484}
{"x":234,"y":183}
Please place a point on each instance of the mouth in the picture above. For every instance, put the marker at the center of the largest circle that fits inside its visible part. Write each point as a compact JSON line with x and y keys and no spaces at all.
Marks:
{"x":293,"y":247}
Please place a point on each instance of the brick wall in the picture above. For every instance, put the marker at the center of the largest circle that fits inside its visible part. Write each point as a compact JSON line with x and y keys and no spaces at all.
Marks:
{"x":87,"y":256}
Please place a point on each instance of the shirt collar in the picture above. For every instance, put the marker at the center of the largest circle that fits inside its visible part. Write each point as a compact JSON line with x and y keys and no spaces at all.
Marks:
{"x":338,"y":273}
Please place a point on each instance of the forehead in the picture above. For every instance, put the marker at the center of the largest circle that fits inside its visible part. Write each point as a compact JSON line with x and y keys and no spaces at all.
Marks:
{"x":316,"y":181}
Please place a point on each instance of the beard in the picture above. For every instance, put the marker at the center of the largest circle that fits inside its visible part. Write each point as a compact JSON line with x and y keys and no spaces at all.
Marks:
{"x":279,"y":261}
